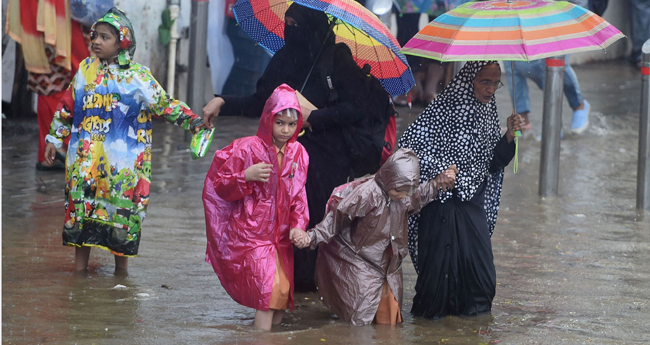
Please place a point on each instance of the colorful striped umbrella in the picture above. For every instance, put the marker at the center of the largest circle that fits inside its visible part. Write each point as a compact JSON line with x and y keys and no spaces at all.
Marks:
{"x":515,"y":30}
{"x":518,"y":30}
{"x":369,"y":39}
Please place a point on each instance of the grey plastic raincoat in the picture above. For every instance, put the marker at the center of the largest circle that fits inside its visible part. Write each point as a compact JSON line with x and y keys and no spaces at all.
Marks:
{"x":363,"y":238}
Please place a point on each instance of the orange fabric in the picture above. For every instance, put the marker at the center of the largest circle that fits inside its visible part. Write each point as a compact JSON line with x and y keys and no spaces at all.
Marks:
{"x":280,"y":153}
{"x":388,"y":312}
{"x":280,"y":292}
{"x":32,"y":23}
{"x":21,"y":27}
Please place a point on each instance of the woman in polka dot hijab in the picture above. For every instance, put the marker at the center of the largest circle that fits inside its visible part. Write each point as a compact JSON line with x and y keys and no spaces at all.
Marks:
{"x":449,"y":241}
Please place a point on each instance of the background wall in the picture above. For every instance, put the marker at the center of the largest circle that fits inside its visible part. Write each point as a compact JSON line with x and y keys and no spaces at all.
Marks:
{"x":145,"y":16}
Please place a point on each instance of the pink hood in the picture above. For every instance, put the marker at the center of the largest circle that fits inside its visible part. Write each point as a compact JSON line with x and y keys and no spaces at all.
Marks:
{"x":284,"y":97}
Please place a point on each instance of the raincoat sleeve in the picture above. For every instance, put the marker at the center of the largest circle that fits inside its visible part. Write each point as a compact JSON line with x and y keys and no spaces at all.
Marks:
{"x":327,"y":228}
{"x":299,"y":208}
{"x":503,"y":154}
{"x":160,"y":104}
{"x":340,"y":215}
{"x":426,"y":193}
{"x":348,"y":83}
{"x":62,"y":123}
{"x":230,"y":180}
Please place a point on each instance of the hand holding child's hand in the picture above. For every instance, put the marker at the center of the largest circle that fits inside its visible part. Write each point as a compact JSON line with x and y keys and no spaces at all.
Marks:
{"x":299,"y":238}
{"x":451,"y":172}
{"x":258,"y":172}
{"x":447,"y":179}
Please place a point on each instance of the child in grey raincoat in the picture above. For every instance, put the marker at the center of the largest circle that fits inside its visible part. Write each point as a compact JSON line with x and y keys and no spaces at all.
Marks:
{"x":363,"y":240}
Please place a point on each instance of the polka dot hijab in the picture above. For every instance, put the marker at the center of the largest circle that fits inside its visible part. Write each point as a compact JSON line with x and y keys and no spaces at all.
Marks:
{"x":456,"y":128}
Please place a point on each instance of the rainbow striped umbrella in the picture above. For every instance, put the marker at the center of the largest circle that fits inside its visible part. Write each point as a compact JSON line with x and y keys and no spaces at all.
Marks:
{"x":369,"y":39}
{"x":518,"y":30}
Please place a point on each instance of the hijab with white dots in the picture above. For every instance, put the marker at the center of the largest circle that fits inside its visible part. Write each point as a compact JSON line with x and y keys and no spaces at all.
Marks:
{"x":457,"y":128}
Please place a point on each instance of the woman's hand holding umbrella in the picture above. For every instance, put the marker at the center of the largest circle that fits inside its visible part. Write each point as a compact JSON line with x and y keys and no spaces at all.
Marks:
{"x":515,"y":122}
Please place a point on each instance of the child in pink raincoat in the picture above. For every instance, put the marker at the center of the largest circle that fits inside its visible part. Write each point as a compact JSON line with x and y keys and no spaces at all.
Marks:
{"x":255,"y":204}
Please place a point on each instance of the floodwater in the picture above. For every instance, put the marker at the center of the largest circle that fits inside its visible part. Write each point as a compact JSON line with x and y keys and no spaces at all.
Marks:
{"x":571,"y":269}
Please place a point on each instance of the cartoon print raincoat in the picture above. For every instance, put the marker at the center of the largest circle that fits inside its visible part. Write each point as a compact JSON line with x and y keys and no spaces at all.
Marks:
{"x":107,"y":113}
{"x":247,"y":222}
{"x":363,"y":238}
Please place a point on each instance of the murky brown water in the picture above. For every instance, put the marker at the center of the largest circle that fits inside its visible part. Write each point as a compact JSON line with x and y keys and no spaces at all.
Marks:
{"x":571,"y":269}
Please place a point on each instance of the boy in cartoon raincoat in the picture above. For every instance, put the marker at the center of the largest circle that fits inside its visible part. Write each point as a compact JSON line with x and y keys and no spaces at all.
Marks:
{"x":107,"y":112}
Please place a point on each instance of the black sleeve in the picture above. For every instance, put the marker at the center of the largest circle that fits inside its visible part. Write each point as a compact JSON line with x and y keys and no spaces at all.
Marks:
{"x":241,"y":106}
{"x":503,"y":154}
{"x":252,"y":105}
{"x":348,"y":82}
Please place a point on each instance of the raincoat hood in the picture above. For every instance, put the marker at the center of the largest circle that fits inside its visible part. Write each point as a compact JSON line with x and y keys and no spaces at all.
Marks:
{"x":118,"y":20}
{"x":283,"y":97}
{"x":401,"y":170}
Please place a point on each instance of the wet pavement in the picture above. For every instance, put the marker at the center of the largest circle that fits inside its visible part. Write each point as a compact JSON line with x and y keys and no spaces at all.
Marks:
{"x":571,"y":269}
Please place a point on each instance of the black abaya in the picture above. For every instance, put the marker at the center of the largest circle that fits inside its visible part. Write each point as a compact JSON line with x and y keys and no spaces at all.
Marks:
{"x":457,"y":274}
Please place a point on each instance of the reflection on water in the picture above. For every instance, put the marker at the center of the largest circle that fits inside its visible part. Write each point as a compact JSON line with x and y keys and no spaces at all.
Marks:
{"x":570,"y":270}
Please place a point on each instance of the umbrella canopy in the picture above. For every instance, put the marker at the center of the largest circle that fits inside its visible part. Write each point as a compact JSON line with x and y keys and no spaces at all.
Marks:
{"x":518,"y":30}
{"x":369,"y":39}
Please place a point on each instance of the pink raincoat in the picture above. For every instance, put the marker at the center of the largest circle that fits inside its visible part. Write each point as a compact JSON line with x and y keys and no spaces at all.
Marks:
{"x":247,"y":222}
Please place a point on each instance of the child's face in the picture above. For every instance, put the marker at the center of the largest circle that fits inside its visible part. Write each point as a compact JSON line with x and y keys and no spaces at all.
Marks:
{"x":397,"y":194}
{"x":284,"y":126}
{"x":106,"y":43}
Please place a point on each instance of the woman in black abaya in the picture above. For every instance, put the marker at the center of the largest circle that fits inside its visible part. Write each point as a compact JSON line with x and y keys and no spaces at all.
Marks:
{"x":306,"y":32}
{"x":449,"y":241}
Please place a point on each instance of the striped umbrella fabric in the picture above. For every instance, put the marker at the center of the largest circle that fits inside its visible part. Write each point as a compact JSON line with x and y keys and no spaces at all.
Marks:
{"x":370,"y":41}
{"x":517,"y":30}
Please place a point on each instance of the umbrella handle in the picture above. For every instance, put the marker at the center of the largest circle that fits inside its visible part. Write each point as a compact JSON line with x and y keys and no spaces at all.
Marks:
{"x":514,"y":93}
{"x":515,"y":165}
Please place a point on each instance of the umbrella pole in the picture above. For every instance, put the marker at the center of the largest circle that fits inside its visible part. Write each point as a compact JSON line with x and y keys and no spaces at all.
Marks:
{"x":514,"y":93}
{"x":329,"y":32}
{"x":515,"y":165}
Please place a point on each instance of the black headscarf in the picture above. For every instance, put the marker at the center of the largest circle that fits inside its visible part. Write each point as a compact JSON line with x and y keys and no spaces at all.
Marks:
{"x":311,"y":32}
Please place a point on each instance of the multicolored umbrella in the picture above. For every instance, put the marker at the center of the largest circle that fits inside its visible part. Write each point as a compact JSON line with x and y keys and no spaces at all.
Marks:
{"x":369,"y":39}
{"x":518,"y":30}
{"x":515,"y":30}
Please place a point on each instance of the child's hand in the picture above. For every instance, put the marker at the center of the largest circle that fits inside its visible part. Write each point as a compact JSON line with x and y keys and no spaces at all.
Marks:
{"x":50,"y":153}
{"x":299,"y":238}
{"x":196,"y":125}
{"x":258,"y":172}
